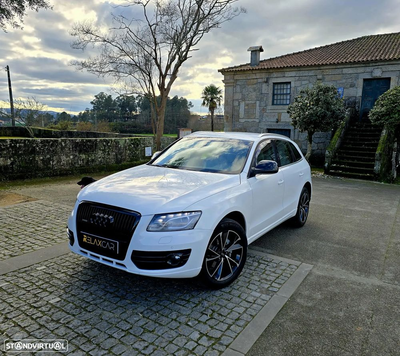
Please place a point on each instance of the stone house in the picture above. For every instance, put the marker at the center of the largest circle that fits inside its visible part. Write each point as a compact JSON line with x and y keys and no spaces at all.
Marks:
{"x":257,"y":94}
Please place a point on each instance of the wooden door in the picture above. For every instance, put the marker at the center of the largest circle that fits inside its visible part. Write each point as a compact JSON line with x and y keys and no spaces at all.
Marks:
{"x":372,"y":89}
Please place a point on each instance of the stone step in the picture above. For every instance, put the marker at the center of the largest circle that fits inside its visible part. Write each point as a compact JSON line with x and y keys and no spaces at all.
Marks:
{"x":361,"y":143}
{"x":352,"y":175}
{"x":354,"y":163}
{"x":355,"y":148}
{"x":350,"y":157}
{"x":356,"y":156}
{"x":348,"y":169}
{"x":362,"y":136}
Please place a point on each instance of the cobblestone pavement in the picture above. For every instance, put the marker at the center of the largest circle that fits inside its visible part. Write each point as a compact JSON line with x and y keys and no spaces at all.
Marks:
{"x":101,"y":310}
{"x":31,"y":226}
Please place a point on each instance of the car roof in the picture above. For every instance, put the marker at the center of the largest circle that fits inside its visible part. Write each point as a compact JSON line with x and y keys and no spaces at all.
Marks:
{"x":249,"y":136}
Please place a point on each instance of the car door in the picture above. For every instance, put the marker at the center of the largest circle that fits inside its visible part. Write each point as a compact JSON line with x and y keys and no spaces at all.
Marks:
{"x":267,"y":193}
{"x":293,"y":174}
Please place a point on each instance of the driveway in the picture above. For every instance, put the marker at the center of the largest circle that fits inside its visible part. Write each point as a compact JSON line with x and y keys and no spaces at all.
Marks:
{"x":348,"y":304}
{"x":50,"y":294}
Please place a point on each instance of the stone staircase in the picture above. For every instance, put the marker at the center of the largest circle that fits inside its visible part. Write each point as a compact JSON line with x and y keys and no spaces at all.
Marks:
{"x":355,"y":158}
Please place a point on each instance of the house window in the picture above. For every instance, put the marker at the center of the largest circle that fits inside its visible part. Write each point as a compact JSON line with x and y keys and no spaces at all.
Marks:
{"x":281,"y":94}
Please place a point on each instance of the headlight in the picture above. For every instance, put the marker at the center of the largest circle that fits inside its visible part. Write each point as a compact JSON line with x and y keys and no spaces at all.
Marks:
{"x":174,"y":221}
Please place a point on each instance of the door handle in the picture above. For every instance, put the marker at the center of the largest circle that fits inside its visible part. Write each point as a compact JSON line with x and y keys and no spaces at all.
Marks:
{"x":281,"y":182}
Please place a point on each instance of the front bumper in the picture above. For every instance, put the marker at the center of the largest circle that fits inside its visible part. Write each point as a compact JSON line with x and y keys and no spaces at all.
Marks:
{"x":156,"y":254}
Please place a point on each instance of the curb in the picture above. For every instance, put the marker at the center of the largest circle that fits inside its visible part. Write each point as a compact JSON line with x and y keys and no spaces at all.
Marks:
{"x":247,"y":338}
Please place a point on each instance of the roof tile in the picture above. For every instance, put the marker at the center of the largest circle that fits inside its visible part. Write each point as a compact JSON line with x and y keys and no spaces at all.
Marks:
{"x":385,"y":47}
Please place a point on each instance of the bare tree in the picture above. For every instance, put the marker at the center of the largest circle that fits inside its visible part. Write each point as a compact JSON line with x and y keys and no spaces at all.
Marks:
{"x":27,"y":112}
{"x":146,"y":53}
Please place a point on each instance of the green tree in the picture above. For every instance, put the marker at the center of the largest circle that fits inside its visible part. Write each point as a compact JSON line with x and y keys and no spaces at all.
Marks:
{"x":126,"y":107}
{"x":13,"y":11}
{"x":44,"y":119}
{"x":64,"y":125}
{"x":85,"y":116}
{"x":316,"y":109}
{"x":63,"y":116}
{"x":146,"y":50}
{"x":212,"y":98}
{"x":104,"y":107}
{"x":177,"y":114}
{"x":386,"y":111}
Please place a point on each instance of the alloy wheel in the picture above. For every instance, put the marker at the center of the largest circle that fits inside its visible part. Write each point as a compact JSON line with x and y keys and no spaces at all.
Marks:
{"x":224,"y":255}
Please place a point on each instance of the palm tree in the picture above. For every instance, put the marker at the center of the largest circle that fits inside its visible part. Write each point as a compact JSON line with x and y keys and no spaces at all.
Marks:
{"x":212,"y":97}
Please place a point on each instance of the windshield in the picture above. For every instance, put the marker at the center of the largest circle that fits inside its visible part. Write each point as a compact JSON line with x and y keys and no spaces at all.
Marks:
{"x":206,"y":154}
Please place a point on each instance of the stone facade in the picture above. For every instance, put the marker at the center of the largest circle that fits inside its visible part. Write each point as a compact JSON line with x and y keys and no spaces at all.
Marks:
{"x":248,"y":95}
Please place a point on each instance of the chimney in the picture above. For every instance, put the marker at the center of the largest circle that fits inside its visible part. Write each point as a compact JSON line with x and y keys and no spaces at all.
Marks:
{"x":255,"y":55}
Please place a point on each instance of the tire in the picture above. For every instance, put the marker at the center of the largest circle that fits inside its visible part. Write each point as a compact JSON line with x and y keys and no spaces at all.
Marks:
{"x":225,"y":255}
{"x":303,"y":208}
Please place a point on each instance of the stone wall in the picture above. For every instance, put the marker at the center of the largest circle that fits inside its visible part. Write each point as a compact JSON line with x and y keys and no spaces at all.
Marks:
{"x":29,"y":158}
{"x":19,"y":131}
{"x":248,"y":95}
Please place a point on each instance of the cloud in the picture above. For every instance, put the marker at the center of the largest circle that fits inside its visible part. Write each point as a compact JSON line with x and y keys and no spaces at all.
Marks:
{"x":40,"y":55}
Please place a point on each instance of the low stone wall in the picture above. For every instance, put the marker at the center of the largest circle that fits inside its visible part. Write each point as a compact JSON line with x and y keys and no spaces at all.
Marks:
{"x":319,"y":145}
{"x":19,"y":131}
{"x":29,"y":158}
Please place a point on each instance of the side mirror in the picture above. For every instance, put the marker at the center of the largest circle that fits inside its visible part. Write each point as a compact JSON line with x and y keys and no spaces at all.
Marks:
{"x":265,"y":167}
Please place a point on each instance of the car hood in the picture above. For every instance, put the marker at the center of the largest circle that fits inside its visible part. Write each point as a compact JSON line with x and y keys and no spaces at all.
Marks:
{"x":152,"y":190}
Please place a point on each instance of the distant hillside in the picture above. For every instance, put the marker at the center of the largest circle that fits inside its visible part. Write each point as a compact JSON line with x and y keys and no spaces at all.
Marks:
{"x":8,"y":111}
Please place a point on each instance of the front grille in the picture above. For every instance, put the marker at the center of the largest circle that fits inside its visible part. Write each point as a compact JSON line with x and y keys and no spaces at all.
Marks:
{"x":104,"y":229}
{"x":160,"y":259}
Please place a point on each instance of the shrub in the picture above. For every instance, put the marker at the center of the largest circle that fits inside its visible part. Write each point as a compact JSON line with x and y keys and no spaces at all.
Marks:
{"x":316,"y":109}
{"x":386,"y":111}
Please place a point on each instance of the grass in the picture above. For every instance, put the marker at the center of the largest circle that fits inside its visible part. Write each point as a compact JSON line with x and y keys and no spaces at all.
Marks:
{"x":317,"y":169}
{"x":10,"y":137}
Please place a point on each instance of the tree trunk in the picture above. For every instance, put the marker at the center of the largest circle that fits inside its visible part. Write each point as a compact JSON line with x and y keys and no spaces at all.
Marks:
{"x":309,"y":145}
{"x":160,"y":120}
{"x":212,"y":119}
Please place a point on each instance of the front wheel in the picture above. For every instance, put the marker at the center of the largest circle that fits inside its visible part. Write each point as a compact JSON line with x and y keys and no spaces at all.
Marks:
{"x":303,"y":209}
{"x":225,"y":255}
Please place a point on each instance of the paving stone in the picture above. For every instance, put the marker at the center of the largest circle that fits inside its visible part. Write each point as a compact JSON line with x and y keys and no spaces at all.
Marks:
{"x":107,"y":311}
{"x":28,"y":222}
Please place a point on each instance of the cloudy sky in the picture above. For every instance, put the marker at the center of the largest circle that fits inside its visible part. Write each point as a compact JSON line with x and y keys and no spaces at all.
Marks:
{"x":39,"y":56}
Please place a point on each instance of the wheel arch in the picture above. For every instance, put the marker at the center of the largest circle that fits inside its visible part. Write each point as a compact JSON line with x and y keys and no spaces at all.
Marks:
{"x":308,"y":186}
{"x":238,"y":217}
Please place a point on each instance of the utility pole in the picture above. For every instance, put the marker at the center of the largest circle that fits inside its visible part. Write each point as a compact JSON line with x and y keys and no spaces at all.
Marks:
{"x":11,"y":96}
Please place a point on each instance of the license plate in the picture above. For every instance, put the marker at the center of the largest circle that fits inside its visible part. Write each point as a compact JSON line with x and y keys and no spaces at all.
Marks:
{"x":101,"y":243}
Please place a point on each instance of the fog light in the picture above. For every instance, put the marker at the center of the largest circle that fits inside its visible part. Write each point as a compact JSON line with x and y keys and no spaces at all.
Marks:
{"x":71,"y":238}
{"x":174,"y":259}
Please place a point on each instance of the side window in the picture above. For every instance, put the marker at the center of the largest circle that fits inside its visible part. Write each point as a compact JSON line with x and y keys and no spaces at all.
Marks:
{"x":284,"y":152}
{"x":296,"y":153}
{"x":265,"y":151}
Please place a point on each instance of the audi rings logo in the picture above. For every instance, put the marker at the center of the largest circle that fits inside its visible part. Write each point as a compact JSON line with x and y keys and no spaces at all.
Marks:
{"x":102,"y":220}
